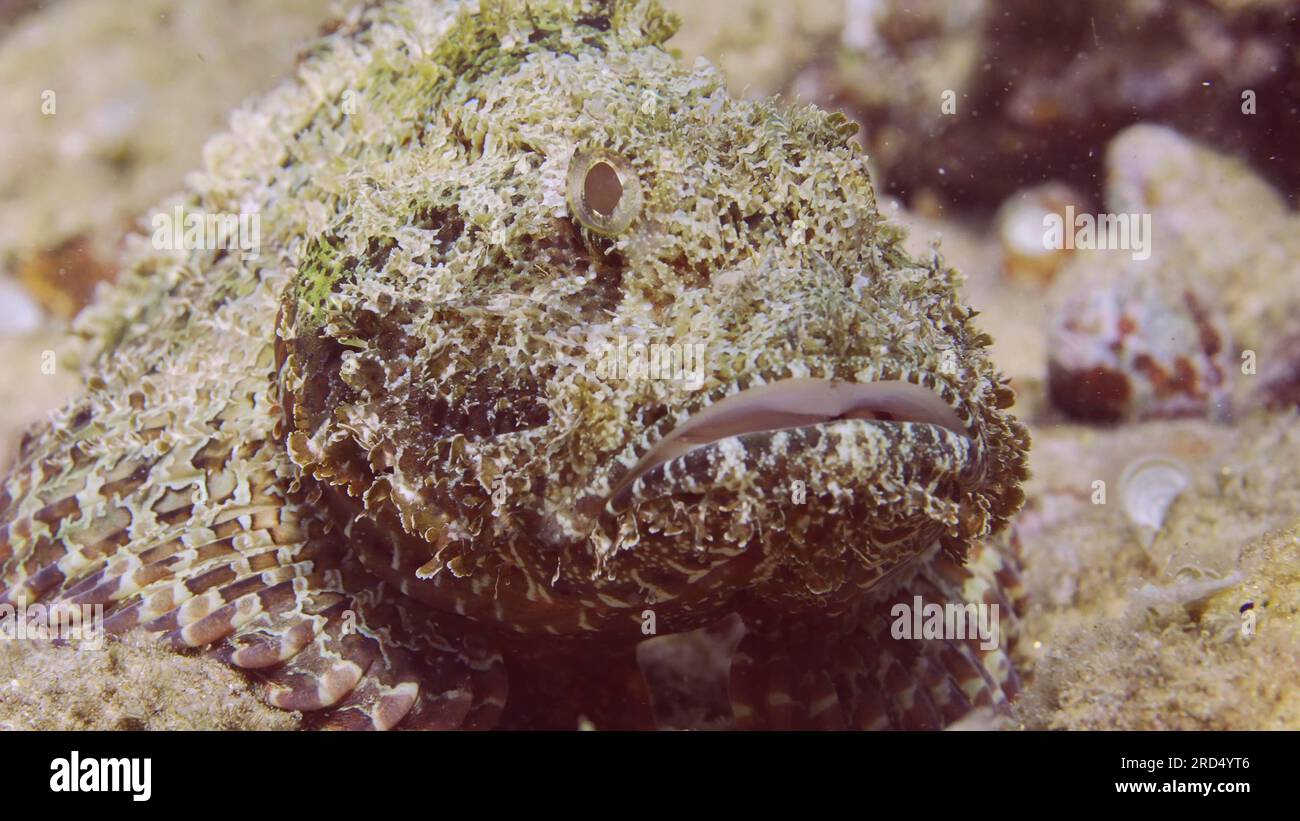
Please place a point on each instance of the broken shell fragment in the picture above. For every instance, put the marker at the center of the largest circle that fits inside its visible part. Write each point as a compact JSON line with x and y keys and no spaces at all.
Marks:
{"x":1148,"y":487}
{"x":1026,"y":256}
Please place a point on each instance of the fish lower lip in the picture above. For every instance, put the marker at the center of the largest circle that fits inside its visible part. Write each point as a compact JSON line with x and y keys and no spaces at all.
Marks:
{"x":801,"y":452}
{"x":793,"y":403}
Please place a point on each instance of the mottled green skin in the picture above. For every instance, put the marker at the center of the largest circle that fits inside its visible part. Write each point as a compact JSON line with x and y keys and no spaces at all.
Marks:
{"x":399,"y":393}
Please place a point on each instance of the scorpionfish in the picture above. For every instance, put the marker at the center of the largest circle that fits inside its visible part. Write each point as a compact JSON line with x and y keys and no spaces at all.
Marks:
{"x":379,"y":462}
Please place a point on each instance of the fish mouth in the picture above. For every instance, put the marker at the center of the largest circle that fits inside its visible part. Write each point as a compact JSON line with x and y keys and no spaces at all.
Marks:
{"x":793,"y":403}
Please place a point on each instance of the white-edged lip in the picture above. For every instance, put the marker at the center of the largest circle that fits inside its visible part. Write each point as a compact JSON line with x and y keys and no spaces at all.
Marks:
{"x":798,"y":402}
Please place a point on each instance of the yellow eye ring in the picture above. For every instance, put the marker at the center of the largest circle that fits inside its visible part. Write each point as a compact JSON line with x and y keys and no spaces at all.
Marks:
{"x":603,"y":191}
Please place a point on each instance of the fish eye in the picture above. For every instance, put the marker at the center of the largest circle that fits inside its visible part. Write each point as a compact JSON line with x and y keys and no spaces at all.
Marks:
{"x":604,"y":192}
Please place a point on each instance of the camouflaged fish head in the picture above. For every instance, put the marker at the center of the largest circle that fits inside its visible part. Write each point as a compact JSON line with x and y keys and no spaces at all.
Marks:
{"x":629,"y":341}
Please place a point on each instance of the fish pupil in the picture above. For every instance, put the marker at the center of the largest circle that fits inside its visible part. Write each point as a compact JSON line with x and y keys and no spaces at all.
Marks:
{"x":602,"y":189}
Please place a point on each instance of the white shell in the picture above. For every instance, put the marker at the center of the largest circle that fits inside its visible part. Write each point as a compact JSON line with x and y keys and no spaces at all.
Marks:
{"x":1148,"y":487}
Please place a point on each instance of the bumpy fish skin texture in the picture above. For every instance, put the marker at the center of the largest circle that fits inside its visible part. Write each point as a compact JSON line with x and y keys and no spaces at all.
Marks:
{"x":377,"y":464}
